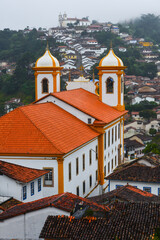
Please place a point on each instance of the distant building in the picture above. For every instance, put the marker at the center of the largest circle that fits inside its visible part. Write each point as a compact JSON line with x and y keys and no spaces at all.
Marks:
{"x":64,"y":21}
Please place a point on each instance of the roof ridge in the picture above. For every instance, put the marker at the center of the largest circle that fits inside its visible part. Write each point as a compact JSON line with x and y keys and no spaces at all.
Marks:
{"x":39,"y":130}
{"x":81,"y":109}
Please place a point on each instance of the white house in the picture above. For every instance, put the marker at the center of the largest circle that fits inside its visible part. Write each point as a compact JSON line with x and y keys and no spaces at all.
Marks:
{"x":146,"y":178}
{"x":64,"y":21}
{"x":22,"y":183}
{"x":25,"y":221}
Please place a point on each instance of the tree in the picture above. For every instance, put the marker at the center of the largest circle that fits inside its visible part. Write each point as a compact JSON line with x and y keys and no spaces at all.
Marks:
{"x":154,"y":146}
{"x":152,"y":131}
{"x":147,"y":114}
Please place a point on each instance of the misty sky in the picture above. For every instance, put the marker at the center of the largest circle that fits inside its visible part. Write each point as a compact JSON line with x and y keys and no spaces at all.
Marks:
{"x":17,"y":14}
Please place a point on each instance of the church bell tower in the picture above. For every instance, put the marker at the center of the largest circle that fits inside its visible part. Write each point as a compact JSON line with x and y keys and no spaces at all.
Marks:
{"x":47,"y":75}
{"x":111,"y":81}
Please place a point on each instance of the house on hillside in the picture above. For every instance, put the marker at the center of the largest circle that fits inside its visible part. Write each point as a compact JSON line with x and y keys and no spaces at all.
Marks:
{"x":146,"y":178}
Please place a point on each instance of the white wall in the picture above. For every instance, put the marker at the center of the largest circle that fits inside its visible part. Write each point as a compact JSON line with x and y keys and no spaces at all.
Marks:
{"x":77,"y":180}
{"x":38,"y":163}
{"x":74,"y":111}
{"x":10,"y":188}
{"x":111,"y":98}
{"x":39,"y":84}
{"x":111,"y":151}
{"x":27,"y":226}
{"x":140,"y":185}
{"x":89,"y":86}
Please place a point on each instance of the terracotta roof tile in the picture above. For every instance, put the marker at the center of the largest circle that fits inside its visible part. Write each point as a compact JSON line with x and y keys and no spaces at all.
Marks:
{"x":42,"y":129}
{"x":90,"y":104}
{"x":9,"y":203}
{"x":126,"y":193}
{"x":20,"y":173}
{"x":65,"y":201}
{"x":137,"y":173}
{"x":133,"y":221}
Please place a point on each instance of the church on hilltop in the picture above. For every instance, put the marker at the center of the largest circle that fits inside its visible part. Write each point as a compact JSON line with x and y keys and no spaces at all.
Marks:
{"x":64,"y":21}
{"x":77,"y":134}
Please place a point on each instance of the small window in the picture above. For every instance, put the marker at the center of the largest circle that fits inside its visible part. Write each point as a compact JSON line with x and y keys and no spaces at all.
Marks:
{"x":24,"y":192}
{"x":109,"y":85}
{"x":96,"y":175}
{"x":115,"y":161}
{"x":48,"y":178}
{"x":109,"y":138}
{"x":147,"y":189}
{"x":104,"y":140}
{"x":45,"y":85}
{"x":89,"y":120}
{"x":83,"y":162}
{"x":112,"y":163}
{"x":77,"y":166}
{"x":77,"y":191}
{"x":39,"y":184}
{"x":112,"y":135}
{"x":90,"y":180}
{"x":96,"y":152}
{"x":104,"y":170}
{"x":115,"y":133}
{"x":118,"y":130}
{"x":108,"y":167}
{"x":90,"y":157}
{"x":69,"y":172}
{"x":84,"y":187}
{"x":32,"y":188}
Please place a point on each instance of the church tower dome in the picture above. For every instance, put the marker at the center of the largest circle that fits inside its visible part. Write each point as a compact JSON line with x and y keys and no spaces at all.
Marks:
{"x":111,"y":60}
{"x":47,"y":75}
{"x":47,"y":60}
{"x":111,"y":81}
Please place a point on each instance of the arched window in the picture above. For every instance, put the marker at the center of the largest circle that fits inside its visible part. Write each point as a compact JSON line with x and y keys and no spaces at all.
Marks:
{"x":109,"y":85}
{"x":45,"y":85}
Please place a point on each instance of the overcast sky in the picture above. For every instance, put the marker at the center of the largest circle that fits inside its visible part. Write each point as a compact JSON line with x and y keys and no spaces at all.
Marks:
{"x":17,"y":14}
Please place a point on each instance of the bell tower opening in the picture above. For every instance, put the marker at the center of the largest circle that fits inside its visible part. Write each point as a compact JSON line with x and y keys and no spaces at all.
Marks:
{"x":45,"y":85}
{"x":109,"y":85}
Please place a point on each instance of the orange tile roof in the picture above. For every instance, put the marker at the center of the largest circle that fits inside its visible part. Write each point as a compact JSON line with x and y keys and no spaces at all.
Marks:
{"x":139,"y":191}
{"x":20,"y":173}
{"x":90,"y":104}
{"x":42,"y":129}
{"x":64,"y":201}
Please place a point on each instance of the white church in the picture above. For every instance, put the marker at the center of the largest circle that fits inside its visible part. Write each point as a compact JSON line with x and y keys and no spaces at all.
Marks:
{"x":77,"y":134}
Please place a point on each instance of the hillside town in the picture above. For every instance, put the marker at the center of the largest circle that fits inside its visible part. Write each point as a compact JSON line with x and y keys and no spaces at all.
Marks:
{"x":82,"y":161}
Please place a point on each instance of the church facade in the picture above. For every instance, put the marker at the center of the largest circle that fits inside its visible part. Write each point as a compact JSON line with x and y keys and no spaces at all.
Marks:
{"x":77,"y":135}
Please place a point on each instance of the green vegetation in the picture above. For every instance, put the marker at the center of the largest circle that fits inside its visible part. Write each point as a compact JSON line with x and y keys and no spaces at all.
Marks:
{"x":152,"y":131}
{"x":141,"y":106}
{"x":22,"y":50}
{"x":148,"y":114}
{"x":154,"y":146}
{"x":147,"y":27}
